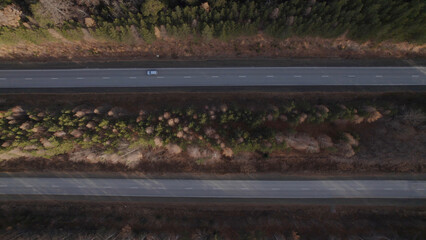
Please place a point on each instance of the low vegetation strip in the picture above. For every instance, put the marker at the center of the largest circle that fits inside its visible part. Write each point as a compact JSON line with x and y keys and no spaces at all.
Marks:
{"x":224,"y":136}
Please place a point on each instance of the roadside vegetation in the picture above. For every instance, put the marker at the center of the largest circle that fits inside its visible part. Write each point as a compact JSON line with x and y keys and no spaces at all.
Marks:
{"x":243,"y":135}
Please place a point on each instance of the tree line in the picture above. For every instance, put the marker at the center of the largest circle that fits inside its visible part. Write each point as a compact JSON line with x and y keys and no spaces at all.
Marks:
{"x":399,"y":20}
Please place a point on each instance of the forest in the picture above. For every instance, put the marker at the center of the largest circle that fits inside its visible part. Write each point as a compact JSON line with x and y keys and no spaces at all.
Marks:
{"x":121,"y":20}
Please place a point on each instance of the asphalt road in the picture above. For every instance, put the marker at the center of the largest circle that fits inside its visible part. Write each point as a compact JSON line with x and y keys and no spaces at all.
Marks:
{"x":240,"y":189}
{"x":214,"y":77}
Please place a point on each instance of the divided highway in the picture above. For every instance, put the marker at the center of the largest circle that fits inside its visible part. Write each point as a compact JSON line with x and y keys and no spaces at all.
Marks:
{"x":247,"y":189}
{"x":215,"y":77}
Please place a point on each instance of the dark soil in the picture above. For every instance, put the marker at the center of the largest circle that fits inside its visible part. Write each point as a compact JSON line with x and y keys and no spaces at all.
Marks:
{"x":208,"y":221}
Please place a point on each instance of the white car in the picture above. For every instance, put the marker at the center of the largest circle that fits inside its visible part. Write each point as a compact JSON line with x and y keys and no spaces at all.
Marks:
{"x":151,"y":72}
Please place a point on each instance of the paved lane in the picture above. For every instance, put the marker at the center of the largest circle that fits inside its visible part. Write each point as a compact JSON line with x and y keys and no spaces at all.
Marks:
{"x":315,"y":189}
{"x":214,"y":77}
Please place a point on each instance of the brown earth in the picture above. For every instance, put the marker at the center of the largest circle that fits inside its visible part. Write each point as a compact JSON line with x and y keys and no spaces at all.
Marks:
{"x":100,"y":220}
{"x":241,"y":47}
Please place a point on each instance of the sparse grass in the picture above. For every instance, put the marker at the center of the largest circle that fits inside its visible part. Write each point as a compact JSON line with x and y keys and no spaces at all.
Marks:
{"x":11,"y":36}
{"x":71,"y":34}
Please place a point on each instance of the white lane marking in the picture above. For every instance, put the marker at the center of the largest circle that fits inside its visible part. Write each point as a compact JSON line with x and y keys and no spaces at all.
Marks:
{"x":133,"y":187}
{"x":332,"y":189}
{"x":80,"y":78}
{"x":3,"y":78}
{"x":3,"y":185}
{"x":225,"y":68}
{"x":415,"y":76}
{"x":28,"y":79}
{"x":187,"y":77}
{"x":215,"y":76}
{"x":275,"y":189}
{"x":160,"y":77}
{"x":306,"y":189}
{"x":54,"y":186}
{"x":297,"y":76}
{"x":188,"y":188}
{"x":324,"y":76}
{"x":269,"y":76}
{"x":216,"y":188}
{"x":244,"y":188}
{"x":105,"y":77}
{"x":388,"y":189}
{"x":81,"y":186}
{"x":241,"y":76}
{"x":132,"y":77}
{"x":351,"y":76}
{"x":360,"y":189}
{"x":379,"y":76}
{"x":107,"y":187}
{"x":54,"y":78}
{"x":160,"y":188}
{"x":419,"y":189}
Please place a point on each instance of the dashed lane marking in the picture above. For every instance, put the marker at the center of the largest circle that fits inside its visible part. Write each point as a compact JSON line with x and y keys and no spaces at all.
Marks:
{"x":215,"y":76}
{"x":275,"y":189}
{"x":306,"y":189}
{"x":388,"y":189}
{"x":105,"y":77}
{"x":324,"y":76}
{"x":351,"y":76}
{"x":160,"y":77}
{"x":81,"y":186}
{"x":54,"y":186}
{"x":379,"y":76}
{"x":242,"y":76}
{"x":297,"y":76}
{"x":3,"y":185}
{"x":419,"y":189}
{"x":415,"y":76}
{"x":132,"y":77}
{"x":54,"y":78}
{"x":133,"y":187}
{"x":244,"y":188}
{"x":80,"y":78}
{"x":269,"y":76}
{"x":28,"y":79}
{"x":188,"y":188}
{"x":3,"y":78}
{"x":187,"y":77}
{"x":332,"y":189}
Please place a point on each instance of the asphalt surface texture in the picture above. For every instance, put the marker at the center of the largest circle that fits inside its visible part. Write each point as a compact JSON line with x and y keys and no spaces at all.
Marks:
{"x":213,"y":77}
{"x":238,"y":189}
